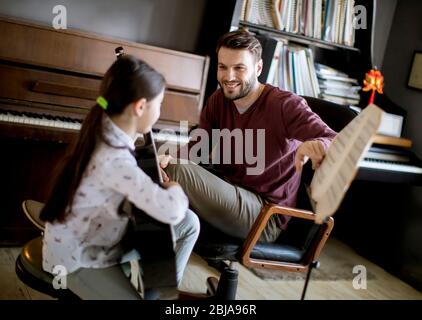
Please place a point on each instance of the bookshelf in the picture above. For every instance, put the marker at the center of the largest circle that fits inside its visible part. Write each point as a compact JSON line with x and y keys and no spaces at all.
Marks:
{"x":223,"y":16}
{"x":353,"y":60}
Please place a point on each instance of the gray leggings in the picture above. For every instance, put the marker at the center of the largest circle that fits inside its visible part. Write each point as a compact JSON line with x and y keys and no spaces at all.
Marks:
{"x":112,"y":283}
{"x":225,"y":206}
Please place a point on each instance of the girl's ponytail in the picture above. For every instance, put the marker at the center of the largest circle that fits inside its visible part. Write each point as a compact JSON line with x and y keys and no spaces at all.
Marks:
{"x":70,"y":173}
{"x":127,"y":80}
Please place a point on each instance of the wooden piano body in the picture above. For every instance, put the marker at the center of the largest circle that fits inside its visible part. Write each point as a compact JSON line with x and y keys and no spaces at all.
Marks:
{"x":49,"y":79}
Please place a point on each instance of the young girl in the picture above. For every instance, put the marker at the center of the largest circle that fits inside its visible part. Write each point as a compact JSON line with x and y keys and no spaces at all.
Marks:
{"x":84,"y":228}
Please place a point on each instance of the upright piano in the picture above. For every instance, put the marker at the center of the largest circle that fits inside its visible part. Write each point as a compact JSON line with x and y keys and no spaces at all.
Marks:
{"x":49,"y":80}
{"x":377,"y":213}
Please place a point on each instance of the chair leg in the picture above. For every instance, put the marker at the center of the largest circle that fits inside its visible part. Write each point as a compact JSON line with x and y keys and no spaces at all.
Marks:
{"x":227,"y":285}
{"x":219,"y":265}
{"x":312,"y":265}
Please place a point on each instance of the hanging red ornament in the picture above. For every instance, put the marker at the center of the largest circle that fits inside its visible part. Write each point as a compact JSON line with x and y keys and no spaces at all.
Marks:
{"x":374,"y":80}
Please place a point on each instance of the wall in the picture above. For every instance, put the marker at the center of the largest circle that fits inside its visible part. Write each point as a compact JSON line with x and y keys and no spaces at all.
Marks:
{"x":384,"y":17}
{"x":405,"y":37}
{"x":173,"y":24}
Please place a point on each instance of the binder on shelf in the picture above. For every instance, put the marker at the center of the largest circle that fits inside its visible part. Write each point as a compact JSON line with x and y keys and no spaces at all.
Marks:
{"x":269,"y":46}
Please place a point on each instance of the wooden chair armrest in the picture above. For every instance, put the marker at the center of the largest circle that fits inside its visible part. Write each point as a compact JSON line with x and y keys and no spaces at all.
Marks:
{"x":261,"y":221}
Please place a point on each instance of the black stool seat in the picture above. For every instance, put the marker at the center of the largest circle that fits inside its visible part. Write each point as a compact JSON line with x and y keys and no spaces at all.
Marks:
{"x":29,"y":270}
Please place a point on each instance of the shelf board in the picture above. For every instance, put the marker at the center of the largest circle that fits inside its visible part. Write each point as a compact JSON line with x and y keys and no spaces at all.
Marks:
{"x":298,"y":38}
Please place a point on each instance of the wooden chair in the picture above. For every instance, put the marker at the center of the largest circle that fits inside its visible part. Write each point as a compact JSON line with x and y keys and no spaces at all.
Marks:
{"x":297,"y":249}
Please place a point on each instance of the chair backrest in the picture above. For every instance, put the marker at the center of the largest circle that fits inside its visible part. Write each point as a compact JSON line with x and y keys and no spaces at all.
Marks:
{"x":336,"y":116}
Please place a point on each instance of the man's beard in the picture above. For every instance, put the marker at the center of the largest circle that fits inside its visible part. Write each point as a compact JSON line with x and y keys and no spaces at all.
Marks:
{"x":245,"y":88}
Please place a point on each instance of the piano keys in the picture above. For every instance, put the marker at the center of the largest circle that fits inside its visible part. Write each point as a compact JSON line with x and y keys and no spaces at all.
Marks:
{"x":390,"y":165}
{"x":41,"y":120}
{"x":384,"y":159}
{"x":45,"y":120}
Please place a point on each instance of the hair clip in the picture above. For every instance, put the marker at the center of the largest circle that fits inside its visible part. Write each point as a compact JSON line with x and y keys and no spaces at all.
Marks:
{"x":102,"y":102}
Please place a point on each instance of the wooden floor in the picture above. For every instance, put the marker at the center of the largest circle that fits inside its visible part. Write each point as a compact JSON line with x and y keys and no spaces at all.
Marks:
{"x":381,"y":286}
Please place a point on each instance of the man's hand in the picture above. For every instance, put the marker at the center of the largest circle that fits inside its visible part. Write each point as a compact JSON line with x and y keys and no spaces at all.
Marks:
{"x":313,"y":150}
{"x":164,"y":160}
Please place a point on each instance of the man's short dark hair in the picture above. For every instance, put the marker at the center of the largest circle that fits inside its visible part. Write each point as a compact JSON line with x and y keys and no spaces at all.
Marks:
{"x":241,"y":40}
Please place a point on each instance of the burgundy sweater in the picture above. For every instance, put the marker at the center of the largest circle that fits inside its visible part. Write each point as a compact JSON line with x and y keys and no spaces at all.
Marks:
{"x":287,"y":120}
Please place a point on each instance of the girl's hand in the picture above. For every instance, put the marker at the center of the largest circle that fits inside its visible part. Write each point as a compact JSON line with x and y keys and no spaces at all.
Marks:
{"x":163,"y":160}
{"x":164,"y":175}
{"x":169,"y":184}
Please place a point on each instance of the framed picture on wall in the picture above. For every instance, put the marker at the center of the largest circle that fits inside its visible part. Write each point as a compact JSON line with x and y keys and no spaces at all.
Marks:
{"x":415,"y":74}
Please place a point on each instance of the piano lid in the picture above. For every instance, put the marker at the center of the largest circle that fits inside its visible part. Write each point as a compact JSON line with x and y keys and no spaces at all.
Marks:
{"x":91,"y":54}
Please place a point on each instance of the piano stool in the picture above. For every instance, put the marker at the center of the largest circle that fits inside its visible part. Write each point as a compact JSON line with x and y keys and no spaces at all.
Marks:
{"x":28,"y":265}
{"x":29,"y":270}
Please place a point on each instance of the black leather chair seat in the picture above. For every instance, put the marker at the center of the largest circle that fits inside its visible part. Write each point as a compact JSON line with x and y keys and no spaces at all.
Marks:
{"x":219,"y":250}
{"x":266,"y":251}
{"x":277,"y":252}
{"x":291,"y":247}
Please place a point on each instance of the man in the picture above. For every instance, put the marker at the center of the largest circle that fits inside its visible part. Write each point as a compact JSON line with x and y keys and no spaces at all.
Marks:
{"x":283,"y":132}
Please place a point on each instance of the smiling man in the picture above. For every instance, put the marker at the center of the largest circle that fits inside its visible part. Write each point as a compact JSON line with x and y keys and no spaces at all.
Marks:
{"x":292,"y":135}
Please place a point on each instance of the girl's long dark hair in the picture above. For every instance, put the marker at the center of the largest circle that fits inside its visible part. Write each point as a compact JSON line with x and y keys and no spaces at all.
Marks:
{"x":127,"y":80}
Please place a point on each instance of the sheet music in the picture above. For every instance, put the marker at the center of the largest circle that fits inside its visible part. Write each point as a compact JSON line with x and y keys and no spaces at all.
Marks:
{"x":332,"y":179}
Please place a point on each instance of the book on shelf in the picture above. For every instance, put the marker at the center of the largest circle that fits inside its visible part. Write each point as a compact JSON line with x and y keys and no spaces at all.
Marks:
{"x":340,"y":100}
{"x":289,"y":67}
{"x":259,"y":12}
{"x":333,"y":84}
{"x":337,"y":86}
{"x":275,"y":64}
{"x":333,"y":177}
{"x":276,"y":14}
{"x":269,"y":47}
{"x":292,"y":68}
{"x":341,"y":93}
{"x":337,"y":78}
{"x":326,"y":70}
{"x":330,"y":20}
